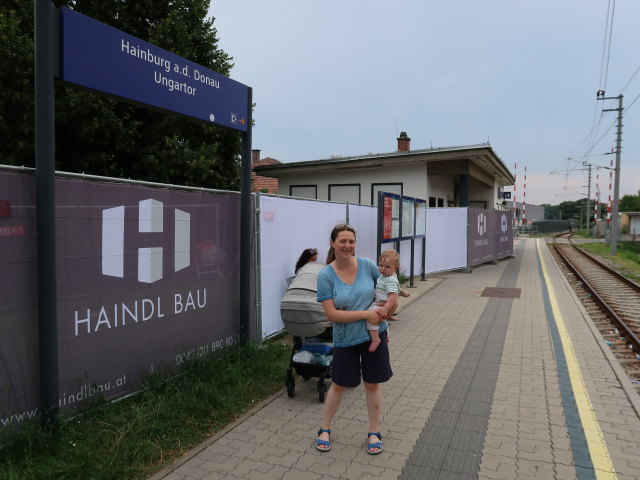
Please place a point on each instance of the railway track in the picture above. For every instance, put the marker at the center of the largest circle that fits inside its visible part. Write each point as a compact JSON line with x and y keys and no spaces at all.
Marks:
{"x":612,"y":301}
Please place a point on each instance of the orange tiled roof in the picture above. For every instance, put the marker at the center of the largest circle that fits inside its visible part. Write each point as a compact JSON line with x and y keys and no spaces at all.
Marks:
{"x":259,"y":183}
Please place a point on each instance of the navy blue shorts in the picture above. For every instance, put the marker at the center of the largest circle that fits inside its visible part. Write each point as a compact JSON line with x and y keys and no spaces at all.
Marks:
{"x":350,"y":364}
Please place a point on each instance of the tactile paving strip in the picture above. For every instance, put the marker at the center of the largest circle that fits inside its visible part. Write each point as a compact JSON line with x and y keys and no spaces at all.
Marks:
{"x":450,"y":445}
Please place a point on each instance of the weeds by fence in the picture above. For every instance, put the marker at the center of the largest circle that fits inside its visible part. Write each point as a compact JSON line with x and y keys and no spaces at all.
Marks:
{"x":132,"y":438}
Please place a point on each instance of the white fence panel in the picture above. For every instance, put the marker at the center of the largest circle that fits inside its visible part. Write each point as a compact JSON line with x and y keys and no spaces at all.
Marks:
{"x":287,"y":227}
{"x":446,"y":239}
{"x":363,"y":218}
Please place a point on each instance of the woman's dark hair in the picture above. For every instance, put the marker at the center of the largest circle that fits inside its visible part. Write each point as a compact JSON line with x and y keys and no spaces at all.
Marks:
{"x":342,"y":227}
{"x":305,"y":257}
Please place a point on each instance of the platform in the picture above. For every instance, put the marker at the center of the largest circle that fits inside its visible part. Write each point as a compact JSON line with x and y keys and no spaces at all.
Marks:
{"x":498,"y":374}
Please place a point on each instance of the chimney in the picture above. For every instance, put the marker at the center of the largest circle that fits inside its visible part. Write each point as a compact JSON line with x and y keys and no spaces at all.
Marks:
{"x":404,"y":142}
{"x":255,"y":157}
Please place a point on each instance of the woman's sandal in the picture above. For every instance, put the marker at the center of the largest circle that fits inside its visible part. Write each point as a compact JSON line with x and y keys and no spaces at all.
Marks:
{"x":377,"y":445}
{"x":323,"y":445}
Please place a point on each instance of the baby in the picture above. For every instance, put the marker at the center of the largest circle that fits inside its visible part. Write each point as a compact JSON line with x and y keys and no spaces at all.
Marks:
{"x":387,"y":289}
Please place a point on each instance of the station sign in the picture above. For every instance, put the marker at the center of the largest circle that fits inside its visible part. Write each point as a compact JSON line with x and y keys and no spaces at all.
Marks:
{"x":105,"y":59}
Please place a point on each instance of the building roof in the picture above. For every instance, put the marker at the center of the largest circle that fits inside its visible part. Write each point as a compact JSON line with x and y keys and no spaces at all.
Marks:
{"x":445,"y":160}
{"x":267,"y":161}
{"x":260,"y":183}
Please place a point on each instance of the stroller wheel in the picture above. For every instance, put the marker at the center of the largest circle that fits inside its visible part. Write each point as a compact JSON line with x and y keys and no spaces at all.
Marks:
{"x":322,"y":388}
{"x":291,"y":385}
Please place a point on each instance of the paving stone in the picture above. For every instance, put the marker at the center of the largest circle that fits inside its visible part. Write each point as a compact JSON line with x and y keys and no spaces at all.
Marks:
{"x":216,"y":476}
{"x":563,"y":456}
{"x":297,"y":474}
{"x":535,"y":469}
{"x":501,"y":450}
{"x":461,"y":461}
{"x":225,"y":465}
{"x":502,"y":472}
{"x":192,"y":473}
{"x":418,"y":472}
{"x":565,"y":472}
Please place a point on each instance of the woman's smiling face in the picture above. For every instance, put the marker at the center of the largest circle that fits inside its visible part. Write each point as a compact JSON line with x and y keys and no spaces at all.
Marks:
{"x":345,"y":244}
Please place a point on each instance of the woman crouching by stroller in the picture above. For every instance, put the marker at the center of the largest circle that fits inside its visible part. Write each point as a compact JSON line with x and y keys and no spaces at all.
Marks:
{"x":346,"y":289}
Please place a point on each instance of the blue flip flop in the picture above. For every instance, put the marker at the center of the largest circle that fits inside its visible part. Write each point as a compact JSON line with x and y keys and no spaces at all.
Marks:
{"x":323,"y":445}
{"x":374,"y":445}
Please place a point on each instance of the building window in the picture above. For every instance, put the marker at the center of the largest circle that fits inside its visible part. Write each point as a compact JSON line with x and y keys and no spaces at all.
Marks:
{"x":345,"y":193}
{"x":384,"y":187}
{"x":304,"y":191}
{"x":440,"y":202}
{"x":432,"y":202}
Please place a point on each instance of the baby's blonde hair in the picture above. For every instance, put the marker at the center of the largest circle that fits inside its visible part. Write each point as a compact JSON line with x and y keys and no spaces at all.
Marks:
{"x":392,"y":255}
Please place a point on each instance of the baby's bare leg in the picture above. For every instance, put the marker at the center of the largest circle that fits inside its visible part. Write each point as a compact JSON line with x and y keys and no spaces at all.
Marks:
{"x":375,"y":340}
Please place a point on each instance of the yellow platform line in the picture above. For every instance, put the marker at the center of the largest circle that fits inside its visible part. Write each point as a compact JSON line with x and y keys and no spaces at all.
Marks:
{"x":595,"y":439}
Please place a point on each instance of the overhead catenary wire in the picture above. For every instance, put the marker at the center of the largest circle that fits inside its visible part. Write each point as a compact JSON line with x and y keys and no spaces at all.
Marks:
{"x":602,"y":82}
{"x":631,"y":79}
{"x":629,"y":106}
{"x":604,"y":68}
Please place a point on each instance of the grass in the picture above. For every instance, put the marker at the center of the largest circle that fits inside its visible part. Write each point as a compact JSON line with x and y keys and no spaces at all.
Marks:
{"x":134,"y":437}
{"x":627,"y":260}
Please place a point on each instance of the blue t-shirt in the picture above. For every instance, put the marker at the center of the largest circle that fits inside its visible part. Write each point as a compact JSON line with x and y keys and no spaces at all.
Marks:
{"x":357,"y":296}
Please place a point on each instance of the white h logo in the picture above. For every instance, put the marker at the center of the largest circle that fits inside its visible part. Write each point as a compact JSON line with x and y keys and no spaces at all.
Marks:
{"x":482,"y":224}
{"x":151,"y":220}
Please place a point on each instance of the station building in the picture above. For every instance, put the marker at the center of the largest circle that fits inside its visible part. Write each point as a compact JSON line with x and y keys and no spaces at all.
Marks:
{"x":464,"y":176}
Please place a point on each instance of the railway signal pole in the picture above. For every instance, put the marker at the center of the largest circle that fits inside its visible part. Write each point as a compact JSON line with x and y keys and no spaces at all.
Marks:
{"x":588,"y":212}
{"x":616,"y":188}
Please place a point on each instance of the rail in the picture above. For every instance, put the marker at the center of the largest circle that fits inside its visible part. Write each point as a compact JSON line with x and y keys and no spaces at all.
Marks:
{"x":628,"y":332}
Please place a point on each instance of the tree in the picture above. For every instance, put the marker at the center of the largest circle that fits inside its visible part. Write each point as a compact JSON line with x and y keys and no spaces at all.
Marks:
{"x":572,"y":209}
{"x":101,"y":136}
{"x":550,"y":212}
{"x":16,"y":81}
{"x":569,"y":210}
{"x":629,"y":203}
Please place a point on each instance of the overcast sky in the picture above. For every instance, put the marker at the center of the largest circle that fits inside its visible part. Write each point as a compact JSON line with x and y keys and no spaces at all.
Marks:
{"x":345,"y":77}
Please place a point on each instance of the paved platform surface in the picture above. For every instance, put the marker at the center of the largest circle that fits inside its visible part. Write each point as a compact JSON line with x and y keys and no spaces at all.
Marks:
{"x":514,"y":386}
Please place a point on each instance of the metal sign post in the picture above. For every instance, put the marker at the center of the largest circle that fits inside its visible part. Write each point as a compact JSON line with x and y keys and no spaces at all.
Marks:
{"x":45,"y":211}
{"x":245,"y":227}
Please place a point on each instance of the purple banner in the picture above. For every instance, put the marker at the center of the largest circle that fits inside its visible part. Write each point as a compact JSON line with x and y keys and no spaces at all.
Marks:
{"x":19,"y":387}
{"x":147,"y":278}
{"x":480,"y":247}
{"x":503,"y":232}
{"x":490,"y":236}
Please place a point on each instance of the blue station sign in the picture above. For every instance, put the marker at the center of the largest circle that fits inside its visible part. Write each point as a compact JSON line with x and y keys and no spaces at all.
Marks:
{"x":102,"y":58}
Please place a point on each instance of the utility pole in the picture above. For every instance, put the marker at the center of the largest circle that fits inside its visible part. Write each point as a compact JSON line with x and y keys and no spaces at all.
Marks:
{"x":588,"y":213}
{"x":616,"y":187}
{"x":588,"y":165}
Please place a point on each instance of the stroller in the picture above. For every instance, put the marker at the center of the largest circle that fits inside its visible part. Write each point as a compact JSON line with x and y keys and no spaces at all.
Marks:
{"x":304,"y":318}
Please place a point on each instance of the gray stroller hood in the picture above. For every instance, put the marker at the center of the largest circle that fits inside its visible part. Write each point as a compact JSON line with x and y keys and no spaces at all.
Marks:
{"x":301,"y":312}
